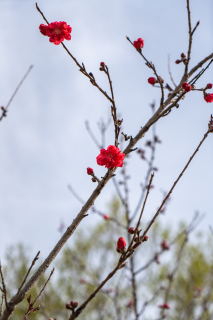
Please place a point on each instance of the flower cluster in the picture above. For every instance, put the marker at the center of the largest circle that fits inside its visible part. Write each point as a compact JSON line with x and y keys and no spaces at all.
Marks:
{"x":186,"y":87}
{"x":56,"y":31}
{"x":110,"y":158}
{"x":71,"y":306}
{"x":139,"y":44}
{"x":183,"y":59}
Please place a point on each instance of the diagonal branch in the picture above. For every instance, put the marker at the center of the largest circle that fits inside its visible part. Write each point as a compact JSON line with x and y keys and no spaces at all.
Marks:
{"x":174,"y":184}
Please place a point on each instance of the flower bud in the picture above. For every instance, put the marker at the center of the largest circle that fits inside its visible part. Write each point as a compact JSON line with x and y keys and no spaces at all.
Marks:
{"x":145,"y":238}
{"x":164,"y":245}
{"x":90,"y":171}
{"x":152,"y":80}
{"x":183,"y":56}
{"x":121,"y":245}
{"x":102,"y":64}
{"x":178,"y":61}
{"x":184,"y":85}
{"x":139,"y":44}
{"x":131,"y":230}
{"x":209,"y":86}
{"x":208,"y":97}
{"x":188,"y":88}
{"x":106,"y":217}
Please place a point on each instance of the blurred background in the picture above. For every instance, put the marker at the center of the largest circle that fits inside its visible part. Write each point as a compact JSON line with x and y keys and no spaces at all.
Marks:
{"x":44,"y":142}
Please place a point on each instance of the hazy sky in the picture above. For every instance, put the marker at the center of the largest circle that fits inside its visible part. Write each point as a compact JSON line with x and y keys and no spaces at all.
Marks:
{"x":43,"y":141}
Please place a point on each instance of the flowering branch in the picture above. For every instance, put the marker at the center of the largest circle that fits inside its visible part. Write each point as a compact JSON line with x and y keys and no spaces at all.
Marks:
{"x":82,"y":68}
{"x":151,"y":66}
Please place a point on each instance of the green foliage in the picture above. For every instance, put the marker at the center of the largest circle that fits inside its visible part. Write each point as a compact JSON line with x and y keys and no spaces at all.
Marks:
{"x":82,"y":266}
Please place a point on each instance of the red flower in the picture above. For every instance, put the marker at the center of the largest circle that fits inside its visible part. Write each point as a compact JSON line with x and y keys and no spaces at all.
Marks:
{"x":208,"y":97}
{"x":184,"y":85}
{"x":209,"y":86}
{"x":152,"y":80}
{"x":164,"y":245}
{"x":102,"y":64}
{"x":188,"y":88}
{"x":110,"y":158}
{"x":164,"y":306}
{"x":90,"y":171}
{"x":139,"y":43}
{"x":106,"y":217}
{"x":56,"y":31}
{"x":121,"y":245}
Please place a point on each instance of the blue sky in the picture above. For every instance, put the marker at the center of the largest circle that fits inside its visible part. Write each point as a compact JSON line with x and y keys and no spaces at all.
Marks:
{"x":44,"y":143}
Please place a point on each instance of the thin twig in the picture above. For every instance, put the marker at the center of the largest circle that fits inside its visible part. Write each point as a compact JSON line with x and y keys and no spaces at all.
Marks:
{"x":190,"y":40}
{"x":151,"y":66}
{"x":82,"y":68}
{"x":114,"y":112}
{"x":176,"y":181}
{"x":4,"y":109}
{"x":170,"y":73}
{"x":42,"y":290}
{"x":32,"y":264}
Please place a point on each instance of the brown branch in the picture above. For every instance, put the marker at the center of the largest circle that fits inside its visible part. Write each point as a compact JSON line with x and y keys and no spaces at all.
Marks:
{"x":114,"y":113}
{"x":176,"y":181}
{"x":32,"y":264}
{"x":195,"y":221}
{"x":199,"y":65}
{"x":190,"y":40}
{"x":42,"y":290}
{"x":82,"y":68}
{"x":4,"y":290}
{"x":83,"y":306}
{"x":4,"y":109}
{"x":151,"y":66}
{"x":197,"y":24}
